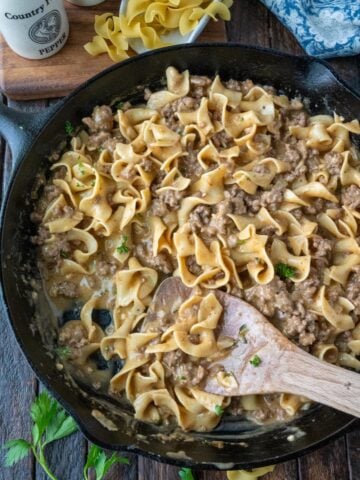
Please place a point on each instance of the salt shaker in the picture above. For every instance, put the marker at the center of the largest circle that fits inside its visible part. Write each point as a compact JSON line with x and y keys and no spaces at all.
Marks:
{"x":34,"y":29}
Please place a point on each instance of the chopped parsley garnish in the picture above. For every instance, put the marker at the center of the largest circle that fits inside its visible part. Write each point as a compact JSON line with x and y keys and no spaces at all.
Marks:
{"x":243,"y":330}
{"x":69,"y":128}
{"x":123,"y":248}
{"x":241,"y":242}
{"x":93,"y":183}
{"x":186,"y":474}
{"x":62,"y":352}
{"x":255,"y":361}
{"x":64,"y":254}
{"x":81,"y":168}
{"x":218,"y":410}
{"x":181,"y":378}
{"x":285,"y":271}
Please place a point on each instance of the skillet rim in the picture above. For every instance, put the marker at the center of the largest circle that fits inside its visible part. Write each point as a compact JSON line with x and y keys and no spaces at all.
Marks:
{"x":52,"y":112}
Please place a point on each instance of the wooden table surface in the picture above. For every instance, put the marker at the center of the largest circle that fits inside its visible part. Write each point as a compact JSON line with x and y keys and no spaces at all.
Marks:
{"x":251,"y":24}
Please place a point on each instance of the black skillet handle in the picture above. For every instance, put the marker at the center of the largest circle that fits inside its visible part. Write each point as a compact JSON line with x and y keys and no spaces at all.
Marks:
{"x":20,"y":129}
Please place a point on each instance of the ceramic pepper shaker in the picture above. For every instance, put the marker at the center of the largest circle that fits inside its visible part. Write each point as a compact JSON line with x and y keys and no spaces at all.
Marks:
{"x":34,"y":29}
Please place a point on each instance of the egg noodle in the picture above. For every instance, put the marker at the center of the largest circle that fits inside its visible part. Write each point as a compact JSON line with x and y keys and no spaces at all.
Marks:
{"x":148,"y":21}
{"x":227,"y":186}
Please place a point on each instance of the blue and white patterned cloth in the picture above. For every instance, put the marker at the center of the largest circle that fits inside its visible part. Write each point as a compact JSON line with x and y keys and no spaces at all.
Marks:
{"x":324,"y":28}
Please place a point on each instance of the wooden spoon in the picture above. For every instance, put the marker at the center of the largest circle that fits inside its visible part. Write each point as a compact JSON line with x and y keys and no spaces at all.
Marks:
{"x":283,"y":366}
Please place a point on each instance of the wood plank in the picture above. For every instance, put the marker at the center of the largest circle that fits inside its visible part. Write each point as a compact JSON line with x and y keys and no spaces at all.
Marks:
{"x":284,"y":471}
{"x":327,"y":463}
{"x":151,"y":470}
{"x":58,"y":75}
{"x":249,"y":24}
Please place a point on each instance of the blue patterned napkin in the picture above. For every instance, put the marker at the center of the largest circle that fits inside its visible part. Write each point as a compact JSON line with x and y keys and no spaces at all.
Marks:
{"x":324,"y":28}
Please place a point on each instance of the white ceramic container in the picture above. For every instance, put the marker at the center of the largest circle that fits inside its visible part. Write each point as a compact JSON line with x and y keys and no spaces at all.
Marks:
{"x":34,"y":29}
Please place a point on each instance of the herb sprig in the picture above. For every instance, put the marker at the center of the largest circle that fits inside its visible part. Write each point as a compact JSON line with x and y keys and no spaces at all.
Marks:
{"x":285,"y":271}
{"x":69,"y":128}
{"x":98,"y":461}
{"x":123,"y":248}
{"x":186,"y":474}
{"x":52,"y":423}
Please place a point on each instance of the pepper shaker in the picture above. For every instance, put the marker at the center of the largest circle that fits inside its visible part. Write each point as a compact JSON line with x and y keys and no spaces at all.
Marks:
{"x":34,"y":29}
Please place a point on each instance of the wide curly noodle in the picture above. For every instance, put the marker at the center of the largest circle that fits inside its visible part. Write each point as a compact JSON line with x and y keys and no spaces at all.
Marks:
{"x":219,"y":184}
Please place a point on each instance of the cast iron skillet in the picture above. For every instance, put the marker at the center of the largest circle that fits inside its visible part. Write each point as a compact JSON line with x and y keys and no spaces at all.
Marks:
{"x":32,"y":137}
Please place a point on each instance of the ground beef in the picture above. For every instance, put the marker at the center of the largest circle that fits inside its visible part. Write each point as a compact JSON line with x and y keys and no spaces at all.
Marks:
{"x":243,"y":87}
{"x":236,"y":196}
{"x":301,"y":325}
{"x":57,"y":249}
{"x":333,"y":162}
{"x":296,"y":117}
{"x":41,"y":237}
{"x":189,"y":165}
{"x":222,"y":140}
{"x":317,"y":205}
{"x":220,"y":220}
{"x":51,"y":192}
{"x":172,"y":198}
{"x":199,"y":86}
{"x":200,"y":217}
{"x":182,"y":370}
{"x":98,"y":140}
{"x":307,"y":289}
{"x":106,"y":267}
{"x":64,"y":289}
{"x":320,"y":247}
{"x":184,"y":104}
{"x":273,"y":198}
{"x":352,"y":291}
{"x":161,"y":262}
{"x":351,"y":197}
{"x":101,"y":120}
{"x":192,"y":265}
{"x":270,"y":298}
{"x":73,"y":334}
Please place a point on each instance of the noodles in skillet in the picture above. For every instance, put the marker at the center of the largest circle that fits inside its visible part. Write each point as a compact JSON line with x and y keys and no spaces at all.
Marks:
{"x":227,"y":185}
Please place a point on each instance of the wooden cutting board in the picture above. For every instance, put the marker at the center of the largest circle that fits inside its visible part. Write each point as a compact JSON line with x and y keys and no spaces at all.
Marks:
{"x":22,"y":79}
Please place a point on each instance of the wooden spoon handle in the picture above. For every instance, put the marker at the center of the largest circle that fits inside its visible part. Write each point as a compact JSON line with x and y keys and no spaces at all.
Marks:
{"x":302,"y":374}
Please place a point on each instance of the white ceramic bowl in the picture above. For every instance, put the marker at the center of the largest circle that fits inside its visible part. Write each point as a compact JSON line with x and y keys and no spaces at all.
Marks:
{"x":174,"y":37}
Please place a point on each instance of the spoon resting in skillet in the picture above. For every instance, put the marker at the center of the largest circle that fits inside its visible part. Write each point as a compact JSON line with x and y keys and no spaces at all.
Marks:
{"x":265,"y":361}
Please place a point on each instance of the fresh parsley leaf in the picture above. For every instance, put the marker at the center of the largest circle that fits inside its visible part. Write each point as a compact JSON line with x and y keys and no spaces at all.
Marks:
{"x":219,"y":410}
{"x":16,"y":451}
{"x":42,"y":411}
{"x":64,"y":254}
{"x":285,"y":271}
{"x":186,"y":474}
{"x":123,"y":248}
{"x":62,"y":425}
{"x":69,"y":128}
{"x":255,"y":361}
{"x":51,"y":423}
{"x":98,"y":460}
{"x":241,"y":242}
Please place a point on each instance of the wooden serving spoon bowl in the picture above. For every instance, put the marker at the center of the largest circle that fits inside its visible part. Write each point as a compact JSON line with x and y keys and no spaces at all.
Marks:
{"x":265,"y":361}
